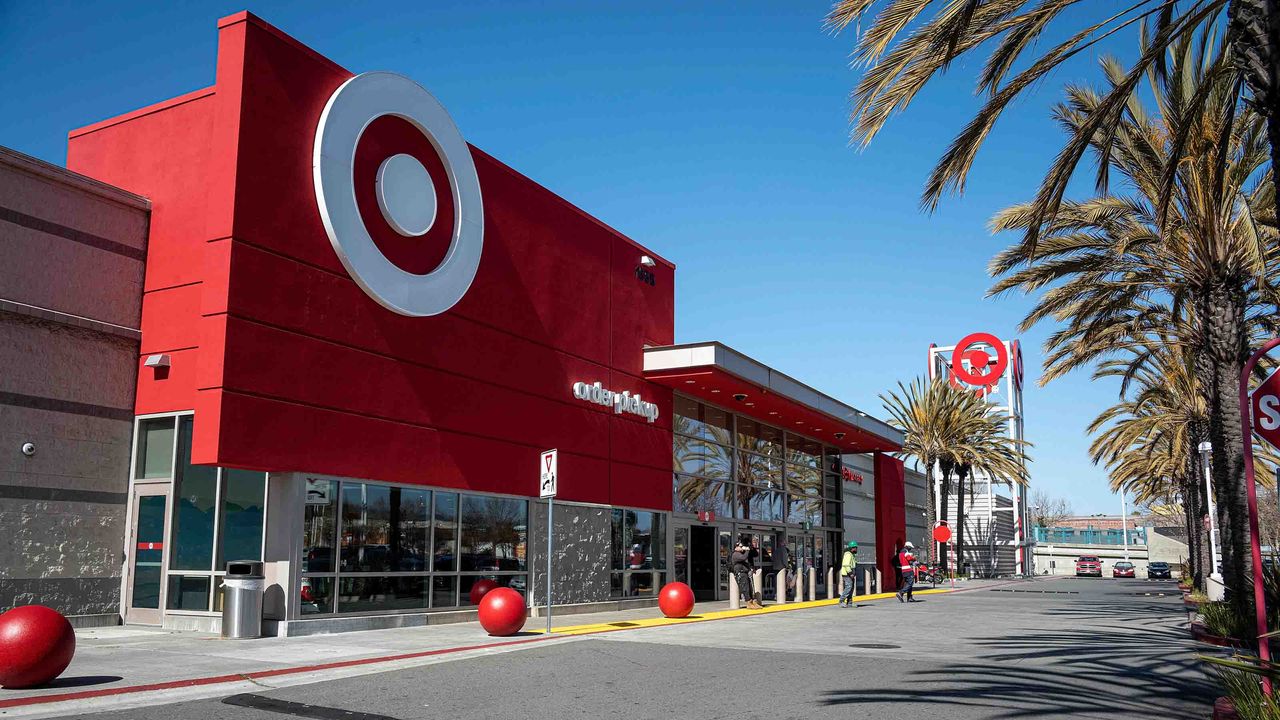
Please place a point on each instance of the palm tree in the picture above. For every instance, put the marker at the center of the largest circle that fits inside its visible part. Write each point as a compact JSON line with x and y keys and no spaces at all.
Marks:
{"x":910,"y":42}
{"x":921,"y":413}
{"x":1118,"y":267}
{"x":1148,"y":440}
{"x":957,"y":431}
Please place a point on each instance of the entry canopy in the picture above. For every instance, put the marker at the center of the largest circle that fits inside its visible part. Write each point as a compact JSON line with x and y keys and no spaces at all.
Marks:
{"x":719,"y":374}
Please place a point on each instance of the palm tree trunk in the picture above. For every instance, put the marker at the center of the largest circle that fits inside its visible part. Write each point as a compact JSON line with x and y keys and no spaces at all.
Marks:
{"x":930,"y":503}
{"x":1224,"y":321}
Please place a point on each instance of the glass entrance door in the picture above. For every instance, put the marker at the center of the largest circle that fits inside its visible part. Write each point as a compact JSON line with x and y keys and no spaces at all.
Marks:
{"x":146,"y":555}
{"x":702,"y":562}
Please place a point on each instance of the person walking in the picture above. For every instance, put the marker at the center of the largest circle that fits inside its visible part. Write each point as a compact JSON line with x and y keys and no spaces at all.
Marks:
{"x":740,"y":563}
{"x":906,"y":563}
{"x":848,"y":566}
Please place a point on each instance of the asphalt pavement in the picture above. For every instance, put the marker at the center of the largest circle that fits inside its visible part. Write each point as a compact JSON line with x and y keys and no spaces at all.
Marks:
{"x":1086,"y":648}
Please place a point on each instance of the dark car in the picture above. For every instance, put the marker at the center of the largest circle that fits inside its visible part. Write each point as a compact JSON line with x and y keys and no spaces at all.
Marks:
{"x":1122,"y":569}
{"x":1088,"y":565}
{"x":1158,"y":570}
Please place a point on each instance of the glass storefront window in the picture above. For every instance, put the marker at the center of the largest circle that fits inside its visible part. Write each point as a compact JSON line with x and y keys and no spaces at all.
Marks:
{"x":759,"y":438}
{"x":155,"y":448}
{"x":195,"y":501}
{"x":700,"y":457}
{"x":445,"y":557}
{"x":410,"y":522}
{"x":804,"y":480}
{"x":805,"y":510}
{"x":368,"y":594}
{"x":494,"y":531}
{"x":465,"y":583}
{"x":680,"y":554}
{"x":319,"y":524}
{"x":639,"y":552}
{"x":695,"y":494}
{"x":705,"y":422}
{"x":189,"y":592}
{"x":766,"y":506}
{"x":242,"y":515}
{"x":366,"y":528}
{"x":317,"y":595}
{"x":444,"y":591}
{"x":803,"y":451}
{"x":759,"y":470}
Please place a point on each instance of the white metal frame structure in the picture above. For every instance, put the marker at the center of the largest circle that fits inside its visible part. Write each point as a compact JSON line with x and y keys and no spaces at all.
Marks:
{"x":1003,"y":394}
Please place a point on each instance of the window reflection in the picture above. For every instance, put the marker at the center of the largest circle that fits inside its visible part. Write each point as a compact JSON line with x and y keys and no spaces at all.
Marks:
{"x":194,"y":503}
{"x":493,"y":533}
{"x":319,"y":523}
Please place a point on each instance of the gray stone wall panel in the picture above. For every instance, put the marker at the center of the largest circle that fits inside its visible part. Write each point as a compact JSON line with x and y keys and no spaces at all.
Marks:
{"x":581,"y":544}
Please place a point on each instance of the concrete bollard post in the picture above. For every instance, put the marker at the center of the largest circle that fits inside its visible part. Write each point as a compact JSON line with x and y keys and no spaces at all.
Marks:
{"x":757,"y":585}
{"x":831,"y":584}
{"x":799,"y":586}
{"x":781,"y":584}
{"x":879,"y":587}
{"x":735,"y":597}
{"x":813,"y":584}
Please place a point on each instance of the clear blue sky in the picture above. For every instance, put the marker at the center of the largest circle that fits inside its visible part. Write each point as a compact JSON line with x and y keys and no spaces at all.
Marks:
{"x":714,"y":133}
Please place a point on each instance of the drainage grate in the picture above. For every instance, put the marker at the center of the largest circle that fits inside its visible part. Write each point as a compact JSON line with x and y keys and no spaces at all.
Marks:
{"x":1038,"y":592}
{"x":875,"y":646}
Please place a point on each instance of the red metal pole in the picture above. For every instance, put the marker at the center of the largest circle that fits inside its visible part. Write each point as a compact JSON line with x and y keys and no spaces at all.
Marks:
{"x":1255,"y":545}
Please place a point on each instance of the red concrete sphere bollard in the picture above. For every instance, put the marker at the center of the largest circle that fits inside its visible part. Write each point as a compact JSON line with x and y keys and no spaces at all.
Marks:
{"x":36,"y":645}
{"x":675,"y":600}
{"x":502,"y":612}
{"x":480,"y":589}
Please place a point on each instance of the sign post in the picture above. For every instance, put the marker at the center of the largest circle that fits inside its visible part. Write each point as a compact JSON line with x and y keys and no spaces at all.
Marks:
{"x":547,"y":488}
{"x":1263,"y":404}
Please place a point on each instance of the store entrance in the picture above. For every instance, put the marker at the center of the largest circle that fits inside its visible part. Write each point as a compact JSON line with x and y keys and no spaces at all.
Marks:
{"x":146,"y":553}
{"x":702,"y":562}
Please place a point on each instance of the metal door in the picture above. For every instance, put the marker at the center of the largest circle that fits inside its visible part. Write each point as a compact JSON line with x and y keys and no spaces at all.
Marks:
{"x":144,"y":599}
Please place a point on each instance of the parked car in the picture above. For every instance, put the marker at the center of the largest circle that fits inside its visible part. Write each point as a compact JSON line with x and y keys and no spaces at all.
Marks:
{"x":1088,"y":565}
{"x":1122,"y":569}
{"x":1159,"y":570}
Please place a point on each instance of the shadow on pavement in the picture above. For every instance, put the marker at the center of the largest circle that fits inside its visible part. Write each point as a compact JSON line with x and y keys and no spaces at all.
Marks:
{"x":82,"y":681}
{"x":1140,"y":666}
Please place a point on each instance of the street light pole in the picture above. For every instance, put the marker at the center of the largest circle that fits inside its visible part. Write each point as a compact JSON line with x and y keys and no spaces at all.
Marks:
{"x":1124,"y":526}
{"x":1215,"y":587}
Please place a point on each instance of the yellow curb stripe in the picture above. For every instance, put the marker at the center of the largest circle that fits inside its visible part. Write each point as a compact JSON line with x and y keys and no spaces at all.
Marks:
{"x":718,"y":615}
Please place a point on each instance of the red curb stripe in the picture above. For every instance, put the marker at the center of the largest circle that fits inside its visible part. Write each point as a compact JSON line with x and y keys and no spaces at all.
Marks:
{"x":219,"y":679}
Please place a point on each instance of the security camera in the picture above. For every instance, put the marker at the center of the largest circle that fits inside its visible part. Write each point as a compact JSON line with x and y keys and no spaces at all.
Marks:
{"x":740,"y":396}
{"x":839,"y":436}
{"x":28,"y":449}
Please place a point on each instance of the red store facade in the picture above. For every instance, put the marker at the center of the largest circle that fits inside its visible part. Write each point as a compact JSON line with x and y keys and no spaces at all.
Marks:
{"x":359,"y":332}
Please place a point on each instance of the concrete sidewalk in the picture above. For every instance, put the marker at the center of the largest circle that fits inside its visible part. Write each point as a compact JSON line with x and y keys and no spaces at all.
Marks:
{"x":125,"y":660}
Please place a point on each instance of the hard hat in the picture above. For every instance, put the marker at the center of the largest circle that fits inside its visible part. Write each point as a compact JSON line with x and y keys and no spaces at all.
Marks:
{"x":853,"y":545}
{"x":910,"y":545}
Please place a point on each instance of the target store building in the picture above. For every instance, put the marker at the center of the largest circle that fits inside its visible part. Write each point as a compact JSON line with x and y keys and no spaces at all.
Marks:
{"x":355,"y":335}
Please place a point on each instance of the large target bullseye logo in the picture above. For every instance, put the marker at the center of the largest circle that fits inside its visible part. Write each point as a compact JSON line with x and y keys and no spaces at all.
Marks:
{"x":973,"y":366}
{"x":398,"y":194}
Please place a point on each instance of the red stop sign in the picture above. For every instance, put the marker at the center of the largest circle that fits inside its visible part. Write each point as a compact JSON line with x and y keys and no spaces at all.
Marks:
{"x":1265,"y":402}
{"x":942,"y":533}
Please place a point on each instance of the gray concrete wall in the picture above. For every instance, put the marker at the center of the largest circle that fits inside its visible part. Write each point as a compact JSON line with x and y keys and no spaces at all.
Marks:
{"x":70,"y":299}
{"x":581,"y":544}
{"x":860,"y":510}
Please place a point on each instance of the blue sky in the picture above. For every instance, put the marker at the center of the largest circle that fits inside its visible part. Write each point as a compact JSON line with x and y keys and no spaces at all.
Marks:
{"x":719,"y":140}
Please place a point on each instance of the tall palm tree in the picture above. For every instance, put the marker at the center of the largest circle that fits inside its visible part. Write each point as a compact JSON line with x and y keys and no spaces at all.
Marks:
{"x":956,"y":431}
{"x":920,"y":411}
{"x":1148,"y":440}
{"x":910,"y":42}
{"x":1117,"y":265}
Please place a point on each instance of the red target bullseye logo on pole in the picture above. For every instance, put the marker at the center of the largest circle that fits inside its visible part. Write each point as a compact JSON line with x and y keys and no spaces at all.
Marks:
{"x":398,"y":194}
{"x":974,"y":366}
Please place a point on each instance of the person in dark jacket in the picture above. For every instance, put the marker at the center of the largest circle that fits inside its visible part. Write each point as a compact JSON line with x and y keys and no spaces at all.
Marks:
{"x":740,"y":563}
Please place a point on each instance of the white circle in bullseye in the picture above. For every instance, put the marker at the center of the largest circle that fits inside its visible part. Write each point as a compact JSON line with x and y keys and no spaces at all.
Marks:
{"x":406,"y":195}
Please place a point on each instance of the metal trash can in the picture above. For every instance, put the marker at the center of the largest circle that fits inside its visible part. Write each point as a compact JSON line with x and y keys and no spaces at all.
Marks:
{"x":242,"y":599}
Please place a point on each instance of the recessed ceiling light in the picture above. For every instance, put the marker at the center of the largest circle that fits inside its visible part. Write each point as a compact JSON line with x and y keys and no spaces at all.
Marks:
{"x":773,"y":412}
{"x":751,"y":404}
{"x":715,"y":391}
{"x":799,"y":422}
{"x":688,"y":382}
